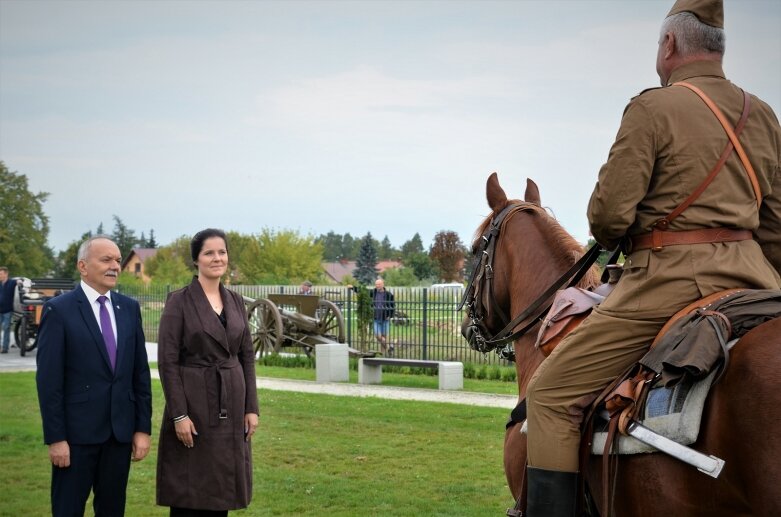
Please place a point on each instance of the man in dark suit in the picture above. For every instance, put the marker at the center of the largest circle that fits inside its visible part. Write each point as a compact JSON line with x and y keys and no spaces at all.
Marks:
{"x":94,"y":386}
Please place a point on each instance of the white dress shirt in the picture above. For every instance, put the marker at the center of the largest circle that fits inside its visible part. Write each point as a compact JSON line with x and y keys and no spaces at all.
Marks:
{"x":92,"y":296}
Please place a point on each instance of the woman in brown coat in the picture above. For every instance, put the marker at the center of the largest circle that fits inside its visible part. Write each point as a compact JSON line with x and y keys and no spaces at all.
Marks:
{"x":207,"y":367}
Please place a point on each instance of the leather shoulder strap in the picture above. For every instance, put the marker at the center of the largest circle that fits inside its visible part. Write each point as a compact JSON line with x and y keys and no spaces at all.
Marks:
{"x":731,"y":134}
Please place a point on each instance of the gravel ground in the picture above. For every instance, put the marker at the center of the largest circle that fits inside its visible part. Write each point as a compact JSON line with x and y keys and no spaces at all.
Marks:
{"x":13,"y":361}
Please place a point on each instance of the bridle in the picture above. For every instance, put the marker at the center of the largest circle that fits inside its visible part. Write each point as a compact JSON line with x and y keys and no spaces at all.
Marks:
{"x":479,"y":293}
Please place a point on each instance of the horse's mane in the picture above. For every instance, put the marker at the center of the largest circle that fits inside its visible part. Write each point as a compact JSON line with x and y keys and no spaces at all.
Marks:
{"x":567,"y":249}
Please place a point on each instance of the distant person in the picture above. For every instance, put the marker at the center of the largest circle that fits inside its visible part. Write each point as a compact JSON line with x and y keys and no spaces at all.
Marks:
{"x":306,"y":288}
{"x":7,"y":287}
{"x":207,"y":367}
{"x":93,"y":386}
{"x":384,"y":308}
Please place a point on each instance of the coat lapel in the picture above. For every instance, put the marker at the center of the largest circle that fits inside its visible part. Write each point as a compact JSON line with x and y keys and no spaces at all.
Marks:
{"x":89,"y":319}
{"x":235,"y":314}
{"x":207,"y":316}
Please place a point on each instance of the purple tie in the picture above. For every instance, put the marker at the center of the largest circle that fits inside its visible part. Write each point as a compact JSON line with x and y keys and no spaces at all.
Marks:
{"x":108,"y":332}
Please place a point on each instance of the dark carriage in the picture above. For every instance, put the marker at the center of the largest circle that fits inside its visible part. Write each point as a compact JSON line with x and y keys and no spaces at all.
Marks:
{"x":29,"y":298}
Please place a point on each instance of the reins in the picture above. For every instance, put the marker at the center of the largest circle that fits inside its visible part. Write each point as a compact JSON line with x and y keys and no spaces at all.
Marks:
{"x":483,"y":270}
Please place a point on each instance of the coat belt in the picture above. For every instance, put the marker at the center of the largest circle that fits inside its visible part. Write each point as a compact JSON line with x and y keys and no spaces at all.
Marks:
{"x":220,"y":371}
{"x":658,"y":239}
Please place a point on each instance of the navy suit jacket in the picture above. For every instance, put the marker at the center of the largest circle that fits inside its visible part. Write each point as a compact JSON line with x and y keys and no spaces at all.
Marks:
{"x":82,"y":400}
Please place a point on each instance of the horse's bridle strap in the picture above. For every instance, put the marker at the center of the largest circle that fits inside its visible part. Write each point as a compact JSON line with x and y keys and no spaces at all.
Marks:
{"x":574,"y":274}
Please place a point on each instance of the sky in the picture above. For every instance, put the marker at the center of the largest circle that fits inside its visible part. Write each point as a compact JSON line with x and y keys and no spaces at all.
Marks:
{"x":361,"y":116}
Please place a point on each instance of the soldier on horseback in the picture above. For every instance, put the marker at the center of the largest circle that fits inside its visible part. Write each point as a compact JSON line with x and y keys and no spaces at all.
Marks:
{"x":697,"y":211}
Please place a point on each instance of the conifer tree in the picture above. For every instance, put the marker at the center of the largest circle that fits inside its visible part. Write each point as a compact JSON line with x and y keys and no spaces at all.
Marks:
{"x":365,"y":270}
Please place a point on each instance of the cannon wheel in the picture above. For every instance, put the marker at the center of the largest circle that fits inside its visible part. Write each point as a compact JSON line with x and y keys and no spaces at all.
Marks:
{"x":331,"y":321}
{"x":22,"y":337}
{"x":265,"y":324}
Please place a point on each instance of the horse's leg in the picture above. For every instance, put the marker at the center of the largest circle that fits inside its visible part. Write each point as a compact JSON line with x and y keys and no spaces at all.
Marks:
{"x":515,"y":459}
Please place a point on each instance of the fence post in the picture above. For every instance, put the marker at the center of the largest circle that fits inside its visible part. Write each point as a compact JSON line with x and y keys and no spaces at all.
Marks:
{"x":425,"y":323}
{"x":349,"y":321}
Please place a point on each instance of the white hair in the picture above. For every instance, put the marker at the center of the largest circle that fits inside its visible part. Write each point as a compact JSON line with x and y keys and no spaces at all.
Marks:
{"x":692,"y":36}
{"x":85,"y":246}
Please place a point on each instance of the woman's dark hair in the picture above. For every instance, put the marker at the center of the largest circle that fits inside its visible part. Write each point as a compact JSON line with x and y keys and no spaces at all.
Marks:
{"x":196,"y":244}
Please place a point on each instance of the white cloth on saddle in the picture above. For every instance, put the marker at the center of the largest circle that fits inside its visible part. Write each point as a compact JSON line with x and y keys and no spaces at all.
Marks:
{"x":568,"y":302}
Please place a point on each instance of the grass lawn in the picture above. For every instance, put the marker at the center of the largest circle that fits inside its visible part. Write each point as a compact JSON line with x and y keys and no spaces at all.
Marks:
{"x":313,"y":455}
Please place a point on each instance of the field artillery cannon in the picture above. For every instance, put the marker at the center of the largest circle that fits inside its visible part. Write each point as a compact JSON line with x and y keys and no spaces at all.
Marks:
{"x":294,"y":320}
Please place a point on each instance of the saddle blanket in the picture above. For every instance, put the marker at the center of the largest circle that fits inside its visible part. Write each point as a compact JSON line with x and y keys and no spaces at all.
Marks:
{"x":674,"y":412}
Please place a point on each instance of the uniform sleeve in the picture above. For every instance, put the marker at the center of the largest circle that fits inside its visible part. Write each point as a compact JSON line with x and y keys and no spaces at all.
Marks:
{"x":769,"y":232}
{"x":50,"y":375}
{"x":624,"y":179}
{"x":169,"y":344}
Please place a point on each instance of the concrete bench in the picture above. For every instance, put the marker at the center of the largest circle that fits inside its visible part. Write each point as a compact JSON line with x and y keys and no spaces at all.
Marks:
{"x":451,"y":373}
{"x":332,"y":363}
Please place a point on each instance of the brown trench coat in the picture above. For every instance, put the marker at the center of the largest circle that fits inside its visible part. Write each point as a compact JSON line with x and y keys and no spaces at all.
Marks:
{"x":205,"y":370}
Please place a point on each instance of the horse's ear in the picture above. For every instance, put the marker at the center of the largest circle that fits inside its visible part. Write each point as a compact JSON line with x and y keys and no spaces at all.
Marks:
{"x":494,"y":193}
{"x":532,"y":194}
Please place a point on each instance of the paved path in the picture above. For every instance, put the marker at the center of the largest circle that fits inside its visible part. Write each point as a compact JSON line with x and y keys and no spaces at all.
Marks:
{"x":13,"y":361}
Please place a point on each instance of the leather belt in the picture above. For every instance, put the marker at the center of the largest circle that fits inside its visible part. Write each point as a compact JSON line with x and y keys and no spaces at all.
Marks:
{"x":656,"y":240}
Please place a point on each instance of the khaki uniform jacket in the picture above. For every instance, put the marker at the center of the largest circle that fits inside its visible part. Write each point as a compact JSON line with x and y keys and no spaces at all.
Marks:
{"x":668,"y":142}
{"x":205,"y":369}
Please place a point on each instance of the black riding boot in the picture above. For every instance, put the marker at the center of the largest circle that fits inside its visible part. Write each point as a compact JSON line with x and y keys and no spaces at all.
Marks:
{"x":551,"y":493}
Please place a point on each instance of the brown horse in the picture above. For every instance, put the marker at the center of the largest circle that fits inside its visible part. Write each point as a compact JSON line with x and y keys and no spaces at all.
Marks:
{"x":740,"y":416}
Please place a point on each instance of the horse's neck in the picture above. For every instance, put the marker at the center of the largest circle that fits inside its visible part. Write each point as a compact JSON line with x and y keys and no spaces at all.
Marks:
{"x":527,"y":360}
{"x":543,"y":263}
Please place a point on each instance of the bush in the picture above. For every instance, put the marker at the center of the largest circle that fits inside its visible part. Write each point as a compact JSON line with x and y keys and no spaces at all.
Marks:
{"x":482,"y":373}
{"x":509,"y":374}
{"x":287,"y":361}
{"x":496,"y":373}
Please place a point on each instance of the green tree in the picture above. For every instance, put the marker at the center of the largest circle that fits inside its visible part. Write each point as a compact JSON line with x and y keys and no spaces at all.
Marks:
{"x":364,"y":315}
{"x":332,"y":244}
{"x":24,"y":227}
{"x":171,"y":264}
{"x":412,"y":246}
{"x":151,"y":242}
{"x":449,"y":253}
{"x":65,"y":266}
{"x":350,"y":247}
{"x":365,"y":265}
{"x":422,"y":266}
{"x":124,"y":237}
{"x":400,"y":276}
{"x":280,"y":257}
{"x":386,"y":251}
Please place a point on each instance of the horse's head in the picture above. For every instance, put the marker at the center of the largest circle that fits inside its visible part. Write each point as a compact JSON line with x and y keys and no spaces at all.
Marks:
{"x":519,"y":252}
{"x":488,"y":294}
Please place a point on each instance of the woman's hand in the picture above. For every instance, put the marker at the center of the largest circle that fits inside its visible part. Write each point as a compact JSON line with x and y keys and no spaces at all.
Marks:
{"x":185,"y":432}
{"x":250,"y":424}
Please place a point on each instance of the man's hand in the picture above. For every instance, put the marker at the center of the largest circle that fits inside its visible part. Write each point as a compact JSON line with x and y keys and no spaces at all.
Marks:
{"x":141,"y":444}
{"x":60,"y":454}
{"x":250,"y":424}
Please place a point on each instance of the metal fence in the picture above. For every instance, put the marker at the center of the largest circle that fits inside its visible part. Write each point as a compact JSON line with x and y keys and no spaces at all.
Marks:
{"x":426,"y":324}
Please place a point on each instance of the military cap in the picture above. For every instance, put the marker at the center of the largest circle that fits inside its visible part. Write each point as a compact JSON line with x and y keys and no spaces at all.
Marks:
{"x":710,"y":12}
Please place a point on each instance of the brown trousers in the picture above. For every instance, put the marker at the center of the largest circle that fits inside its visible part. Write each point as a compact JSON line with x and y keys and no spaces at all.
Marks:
{"x":569,"y":380}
